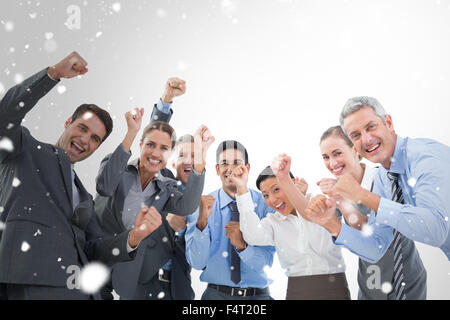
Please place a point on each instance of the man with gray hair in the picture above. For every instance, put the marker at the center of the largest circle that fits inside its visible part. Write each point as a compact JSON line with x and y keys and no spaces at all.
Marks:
{"x":409,"y":201}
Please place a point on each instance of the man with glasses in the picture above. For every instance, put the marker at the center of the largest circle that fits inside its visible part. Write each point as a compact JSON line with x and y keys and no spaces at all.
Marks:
{"x":214,"y":242}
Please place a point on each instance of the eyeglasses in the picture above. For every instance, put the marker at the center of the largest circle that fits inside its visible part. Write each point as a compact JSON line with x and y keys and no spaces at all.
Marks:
{"x":225,"y":163}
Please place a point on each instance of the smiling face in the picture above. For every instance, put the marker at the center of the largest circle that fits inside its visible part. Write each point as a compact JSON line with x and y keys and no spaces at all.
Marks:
{"x":155,"y":150}
{"x":82,"y":136}
{"x":373,"y":139}
{"x":185,"y":161}
{"x":274,"y":196}
{"x":228,"y":160}
{"x":338,"y":156}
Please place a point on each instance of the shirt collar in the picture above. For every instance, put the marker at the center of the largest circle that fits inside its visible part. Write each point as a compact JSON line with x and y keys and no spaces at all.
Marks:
{"x":224,"y":199}
{"x":397,"y":162}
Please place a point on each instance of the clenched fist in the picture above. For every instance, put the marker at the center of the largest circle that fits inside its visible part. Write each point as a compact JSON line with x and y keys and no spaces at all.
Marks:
{"x":71,"y":66}
{"x":147,"y":221}
{"x":203,"y":139}
{"x":321,"y":211}
{"x":174,"y":87}
{"x":206,"y":204}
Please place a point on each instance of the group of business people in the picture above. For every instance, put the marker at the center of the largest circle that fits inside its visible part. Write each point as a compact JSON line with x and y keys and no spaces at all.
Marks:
{"x":151,"y":227}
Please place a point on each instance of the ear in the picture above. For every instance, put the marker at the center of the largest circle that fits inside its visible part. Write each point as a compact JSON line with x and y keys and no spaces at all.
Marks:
{"x":217,"y":170}
{"x":248,"y":167}
{"x":389,"y":122}
{"x":68,"y":122}
{"x":174,"y":165}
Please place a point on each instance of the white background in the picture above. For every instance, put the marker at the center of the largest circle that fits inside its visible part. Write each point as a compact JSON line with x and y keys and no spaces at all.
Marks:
{"x":270,"y":74}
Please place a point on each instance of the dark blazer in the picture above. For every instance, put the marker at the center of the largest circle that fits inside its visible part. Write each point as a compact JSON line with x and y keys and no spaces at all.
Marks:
{"x":36,"y":196}
{"x":113,"y":183}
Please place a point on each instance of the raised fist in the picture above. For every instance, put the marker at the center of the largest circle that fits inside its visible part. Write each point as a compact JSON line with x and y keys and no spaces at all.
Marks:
{"x":174,"y":87}
{"x":71,"y":66}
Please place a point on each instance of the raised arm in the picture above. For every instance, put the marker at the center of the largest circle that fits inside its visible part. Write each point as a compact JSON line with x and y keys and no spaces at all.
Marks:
{"x":281,"y":166}
{"x":255,"y":231}
{"x":114,"y":165}
{"x":20,"y":99}
{"x":187,"y":202}
{"x":162,"y":110}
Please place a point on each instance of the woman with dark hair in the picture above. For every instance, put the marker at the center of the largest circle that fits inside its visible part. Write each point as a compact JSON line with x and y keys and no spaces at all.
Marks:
{"x":314,"y":265}
{"x":124,"y":186}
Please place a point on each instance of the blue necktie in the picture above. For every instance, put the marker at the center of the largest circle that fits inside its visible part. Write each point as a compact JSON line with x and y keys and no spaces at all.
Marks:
{"x":235,"y":260}
{"x":397,"y":196}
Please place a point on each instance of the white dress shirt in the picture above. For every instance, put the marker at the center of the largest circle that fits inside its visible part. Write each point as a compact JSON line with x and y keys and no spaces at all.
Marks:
{"x":304,"y":248}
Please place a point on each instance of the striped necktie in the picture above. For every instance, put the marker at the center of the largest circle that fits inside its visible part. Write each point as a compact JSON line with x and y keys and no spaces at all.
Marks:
{"x":398,"y":283}
{"x":235,"y":259}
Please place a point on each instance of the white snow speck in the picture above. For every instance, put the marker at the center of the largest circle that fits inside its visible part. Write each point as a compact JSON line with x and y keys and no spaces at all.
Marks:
{"x":367,"y":230}
{"x":116,"y":6}
{"x":49,"y":35}
{"x":98,"y":34}
{"x":161,"y":295}
{"x":87,"y":115}
{"x":2,"y":88}
{"x":412,"y":182}
{"x":18,"y":78}
{"x":386,"y":287}
{"x":50,"y":45}
{"x":25,"y":246}
{"x":161,"y":13}
{"x":16,"y":182}
{"x":32,"y":15}
{"x":93,"y":276}
{"x":115,"y":252}
{"x":2,"y":209}
{"x":164,"y":239}
{"x":61,"y":89}
{"x":353,"y":218}
{"x":9,"y":26}
{"x":6,"y":144}
{"x":225,"y":254}
{"x":37,"y":233}
{"x":59,"y":259}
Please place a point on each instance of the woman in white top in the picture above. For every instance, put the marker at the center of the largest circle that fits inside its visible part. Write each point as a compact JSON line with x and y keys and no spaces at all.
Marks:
{"x":314,"y":265}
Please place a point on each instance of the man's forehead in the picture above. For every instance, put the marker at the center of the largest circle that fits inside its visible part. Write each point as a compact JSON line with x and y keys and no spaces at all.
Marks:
{"x":359,"y":119}
{"x":185,"y":147}
{"x":231,"y":154}
{"x":93,"y":122}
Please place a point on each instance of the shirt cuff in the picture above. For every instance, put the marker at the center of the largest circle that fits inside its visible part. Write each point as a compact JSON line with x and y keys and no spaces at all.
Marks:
{"x":164,"y":107}
{"x":244,"y":201}
{"x":344,"y":235}
{"x":48,"y":75}
{"x":130,"y":249}
{"x":388,"y":212}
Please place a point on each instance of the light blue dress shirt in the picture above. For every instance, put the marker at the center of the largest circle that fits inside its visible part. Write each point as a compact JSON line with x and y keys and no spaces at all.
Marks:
{"x":424,"y":176}
{"x":208,"y":250}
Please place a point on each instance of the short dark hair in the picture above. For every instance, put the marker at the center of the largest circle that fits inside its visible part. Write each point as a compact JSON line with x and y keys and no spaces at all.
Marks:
{"x":102,"y":114}
{"x":185,"y":138}
{"x":266,"y":174}
{"x":231,"y":144}
{"x":161,"y":126}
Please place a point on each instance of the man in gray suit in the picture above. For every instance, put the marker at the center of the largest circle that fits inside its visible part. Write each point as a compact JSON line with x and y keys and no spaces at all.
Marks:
{"x":48,"y":216}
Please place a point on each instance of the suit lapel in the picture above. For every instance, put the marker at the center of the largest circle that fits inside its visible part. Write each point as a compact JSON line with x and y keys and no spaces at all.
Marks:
{"x":64,"y":166}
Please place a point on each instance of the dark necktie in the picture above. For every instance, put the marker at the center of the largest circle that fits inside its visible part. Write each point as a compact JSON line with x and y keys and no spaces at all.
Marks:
{"x":235,"y":260}
{"x":397,"y":196}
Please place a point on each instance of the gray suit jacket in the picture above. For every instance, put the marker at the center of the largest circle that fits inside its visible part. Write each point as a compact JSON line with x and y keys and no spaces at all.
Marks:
{"x":113,"y":183}
{"x":38,"y":212}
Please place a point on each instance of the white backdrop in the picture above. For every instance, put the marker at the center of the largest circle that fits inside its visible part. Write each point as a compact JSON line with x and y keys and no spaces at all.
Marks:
{"x":271,"y":74}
